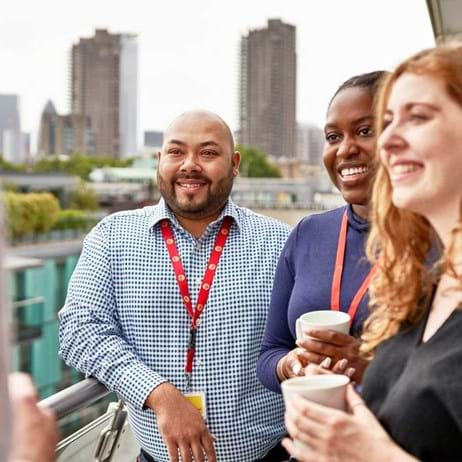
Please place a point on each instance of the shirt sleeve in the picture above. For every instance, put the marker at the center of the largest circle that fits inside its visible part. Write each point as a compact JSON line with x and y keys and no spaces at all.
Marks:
{"x":91,"y":338}
{"x":277,"y":339}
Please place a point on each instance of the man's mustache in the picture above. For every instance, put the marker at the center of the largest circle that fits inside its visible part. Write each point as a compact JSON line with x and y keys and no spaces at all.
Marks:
{"x":188,"y":176}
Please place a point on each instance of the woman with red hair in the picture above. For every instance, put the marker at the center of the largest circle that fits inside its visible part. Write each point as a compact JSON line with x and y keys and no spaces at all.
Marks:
{"x":412,"y":408}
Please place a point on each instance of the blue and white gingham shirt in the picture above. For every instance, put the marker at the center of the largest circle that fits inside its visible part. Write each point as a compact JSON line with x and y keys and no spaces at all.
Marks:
{"x":125,"y":323}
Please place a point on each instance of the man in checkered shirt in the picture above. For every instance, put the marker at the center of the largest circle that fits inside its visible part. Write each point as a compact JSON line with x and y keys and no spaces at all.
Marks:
{"x":125,"y":322}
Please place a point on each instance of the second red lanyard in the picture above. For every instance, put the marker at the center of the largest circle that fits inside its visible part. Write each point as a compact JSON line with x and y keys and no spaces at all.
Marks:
{"x":206,"y":284}
{"x":337,"y":279}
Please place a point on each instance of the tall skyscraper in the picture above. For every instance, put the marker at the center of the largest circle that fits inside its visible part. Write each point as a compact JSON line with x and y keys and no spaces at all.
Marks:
{"x":11,"y":140}
{"x":267,"y":93}
{"x":104,"y":88}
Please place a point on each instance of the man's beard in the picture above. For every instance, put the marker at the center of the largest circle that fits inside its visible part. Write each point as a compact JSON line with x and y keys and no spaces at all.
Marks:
{"x":214,"y":201}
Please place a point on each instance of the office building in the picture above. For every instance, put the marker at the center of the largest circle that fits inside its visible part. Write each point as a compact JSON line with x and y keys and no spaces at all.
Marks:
{"x":267,"y":92}
{"x":310,"y":143}
{"x":64,"y":134}
{"x":104,"y":88}
{"x":11,"y":139}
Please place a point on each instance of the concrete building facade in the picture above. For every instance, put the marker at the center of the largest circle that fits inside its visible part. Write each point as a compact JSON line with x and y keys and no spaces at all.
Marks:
{"x":104,"y":88}
{"x":267,"y":90}
{"x":310,"y":144}
{"x":64,"y":134}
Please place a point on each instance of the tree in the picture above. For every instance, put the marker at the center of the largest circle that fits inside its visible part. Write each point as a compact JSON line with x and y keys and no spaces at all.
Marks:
{"x":8,"y":166}
{"x":79,"y":164}
{"x":255,"y":163}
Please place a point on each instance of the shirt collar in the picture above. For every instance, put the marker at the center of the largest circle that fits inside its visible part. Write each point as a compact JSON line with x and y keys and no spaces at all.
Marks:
{"x":162,"y":211}
{"x":356,"y":222}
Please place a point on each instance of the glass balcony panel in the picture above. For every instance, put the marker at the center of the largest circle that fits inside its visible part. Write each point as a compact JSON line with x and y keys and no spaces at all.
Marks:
{"x":81,"y":445}
{"x":28,"y":318}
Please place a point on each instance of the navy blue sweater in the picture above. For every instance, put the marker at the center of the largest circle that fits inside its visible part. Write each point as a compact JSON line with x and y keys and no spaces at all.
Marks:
{"x":303,"y":282}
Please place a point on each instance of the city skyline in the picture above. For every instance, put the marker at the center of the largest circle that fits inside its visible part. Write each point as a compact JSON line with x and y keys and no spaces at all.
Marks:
{"x":189,"y":53}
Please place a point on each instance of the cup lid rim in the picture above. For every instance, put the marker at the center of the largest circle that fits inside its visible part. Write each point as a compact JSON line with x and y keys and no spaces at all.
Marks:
{"x":293,"y":382}
{"x":345,"y":316}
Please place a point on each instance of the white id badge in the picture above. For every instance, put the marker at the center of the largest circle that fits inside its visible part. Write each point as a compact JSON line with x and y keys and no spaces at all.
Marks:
{"x":197,"y":399}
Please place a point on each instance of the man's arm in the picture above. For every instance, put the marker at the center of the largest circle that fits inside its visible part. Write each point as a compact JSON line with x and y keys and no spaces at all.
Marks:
{"x":90,"y":334}
{"x":92,"y":341}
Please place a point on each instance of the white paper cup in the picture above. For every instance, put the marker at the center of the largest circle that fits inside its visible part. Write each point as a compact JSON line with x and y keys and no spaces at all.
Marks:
{"x":328,"y":390}
{"x":323,"y":320}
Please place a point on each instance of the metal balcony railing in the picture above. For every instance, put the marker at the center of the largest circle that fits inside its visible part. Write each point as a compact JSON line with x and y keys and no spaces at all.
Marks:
{"x":106,"y":439}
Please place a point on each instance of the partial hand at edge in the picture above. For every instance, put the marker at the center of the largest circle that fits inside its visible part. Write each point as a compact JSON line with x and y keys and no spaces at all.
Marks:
{"x":35,"y":435}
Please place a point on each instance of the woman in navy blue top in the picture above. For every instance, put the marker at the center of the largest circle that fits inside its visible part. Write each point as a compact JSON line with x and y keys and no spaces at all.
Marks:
{"x":303,"y":280}
{"x":412,"y":408}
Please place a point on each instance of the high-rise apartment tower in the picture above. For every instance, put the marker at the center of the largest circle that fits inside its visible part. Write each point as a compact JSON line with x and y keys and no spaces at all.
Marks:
{"x":267,"y":93}
{"x":104,"y":87}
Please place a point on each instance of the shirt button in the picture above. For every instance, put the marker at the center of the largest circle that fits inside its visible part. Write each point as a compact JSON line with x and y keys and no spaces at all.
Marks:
{"x":198,"y":281}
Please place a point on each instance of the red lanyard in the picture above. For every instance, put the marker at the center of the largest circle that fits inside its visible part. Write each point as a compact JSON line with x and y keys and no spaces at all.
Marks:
{"x":337,"y":279}
{"x":206,"y":283}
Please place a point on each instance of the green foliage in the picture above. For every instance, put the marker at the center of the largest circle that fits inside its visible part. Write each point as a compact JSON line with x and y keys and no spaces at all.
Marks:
{"x":72,"y":219}
{"x":47,"y":211}
{"x":5,"y":165}
{"x":11,"y":187}
{"x":20,"y":213}
{"x":37,"y":213}
{"x":30,"y":213}
{"x":255,"y":163}
{"x":79,"y":164}
{"x":83,"y":198}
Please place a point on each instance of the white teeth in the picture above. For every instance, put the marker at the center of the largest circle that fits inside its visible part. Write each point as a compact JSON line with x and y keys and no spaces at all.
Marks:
{"x":405,"y":168}
{"x":190,"y":186}
{"x":353,"y":171}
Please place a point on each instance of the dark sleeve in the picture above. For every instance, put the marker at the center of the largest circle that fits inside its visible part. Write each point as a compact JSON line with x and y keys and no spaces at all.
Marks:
{"x":277,"y":339}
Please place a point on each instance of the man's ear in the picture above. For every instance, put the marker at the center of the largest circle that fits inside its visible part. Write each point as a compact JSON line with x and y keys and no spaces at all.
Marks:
{"x":236,"y":162}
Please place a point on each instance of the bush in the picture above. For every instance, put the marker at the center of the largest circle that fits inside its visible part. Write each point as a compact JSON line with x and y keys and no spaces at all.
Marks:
{"x":83,"y":198}
{"x":72,"y":219}
{"x":47,"y":211}
{"x":30,"y":213}
{"x":21,"y":214}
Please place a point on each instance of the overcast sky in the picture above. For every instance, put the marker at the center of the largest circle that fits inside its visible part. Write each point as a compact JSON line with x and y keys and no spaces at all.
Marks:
{"x":188,"y":50}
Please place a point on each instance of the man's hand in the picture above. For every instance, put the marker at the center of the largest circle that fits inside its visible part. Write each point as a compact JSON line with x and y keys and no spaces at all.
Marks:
{"x":181,"y":425}
{"x":336,"y":346}
{"x":34,"y":429}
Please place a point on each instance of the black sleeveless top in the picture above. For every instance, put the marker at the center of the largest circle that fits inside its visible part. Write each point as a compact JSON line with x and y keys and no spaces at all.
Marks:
{"x":415,"y":390}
